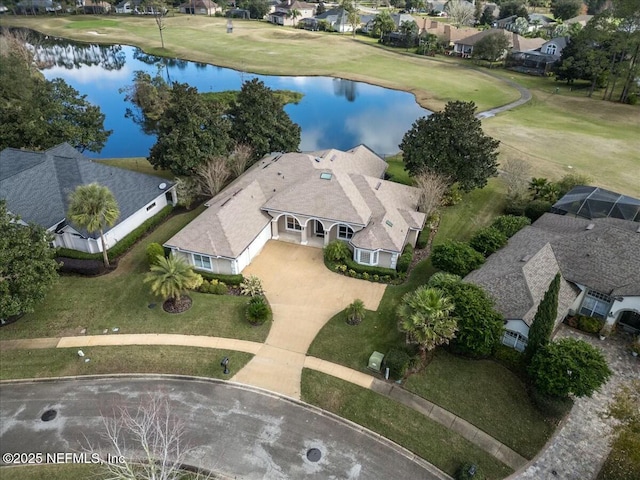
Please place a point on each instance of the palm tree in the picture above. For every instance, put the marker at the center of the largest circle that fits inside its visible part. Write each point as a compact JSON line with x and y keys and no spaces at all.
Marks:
{"x":426,"y":317}
{"x":170,"y":278}
{"x":293,"y":14}
{"x":93,"y":207}
{"x":355,"y":312}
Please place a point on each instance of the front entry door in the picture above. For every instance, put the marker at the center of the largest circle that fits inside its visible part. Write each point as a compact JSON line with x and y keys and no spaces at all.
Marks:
{"x":319,"y":229}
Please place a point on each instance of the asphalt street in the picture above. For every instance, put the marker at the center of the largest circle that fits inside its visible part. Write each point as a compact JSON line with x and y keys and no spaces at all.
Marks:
{"x":235,"y":431}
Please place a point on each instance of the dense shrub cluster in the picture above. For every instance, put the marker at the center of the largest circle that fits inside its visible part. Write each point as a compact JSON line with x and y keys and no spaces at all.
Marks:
{"x":215,"y":287}
{"x":405,"y":259}
{"x":456,"y":257}
{"x":154,"y":250}
{"x":81,"y":266}
{"x":509,"y":225}
{"x":228,"y":279}
{"x":258,"y":310}
{"x":398,"y":362}
{"x":488,"y":240}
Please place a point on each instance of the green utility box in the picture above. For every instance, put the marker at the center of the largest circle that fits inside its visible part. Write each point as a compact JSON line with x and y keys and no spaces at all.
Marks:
{"x":375,"y":361}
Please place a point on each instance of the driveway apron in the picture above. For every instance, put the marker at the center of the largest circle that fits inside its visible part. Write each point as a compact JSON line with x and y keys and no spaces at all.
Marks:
{"x":304,"y":295}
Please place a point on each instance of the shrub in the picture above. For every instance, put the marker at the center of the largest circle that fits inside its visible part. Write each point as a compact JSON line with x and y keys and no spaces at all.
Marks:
{"x":554,"y":407}
{"x":405,"y":259}
{"x":258,"y":310}
{"x":515,"y":207}
{"x":464,"y":472}
{"x":204,"y":286}
{"x":536,"y":208}
{"x":509,"y":225}
{"x":218,"y":288}
{"x":487,"y":240}
{"x":398,"y":362}
{"x":228,"y":279}
{"x":453,"y":196}
{"x":423,"y":239}
{"x":252,"y":286}
{"x":337,"y":251}
{"x":355,"y":312}
{"x":512,"y":359}
{"x":456,"y":257}
{"x":590,"y":324}
{"x":81,"y":266}
{"x":154,"y":250}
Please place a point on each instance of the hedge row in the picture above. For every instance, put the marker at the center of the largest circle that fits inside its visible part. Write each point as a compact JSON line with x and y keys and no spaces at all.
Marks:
{"x":227,"y":279}
{"x":405,"y":259}
{"x":81,"y":266}
{"x":123,"y":245}
{"x":380,"y":271}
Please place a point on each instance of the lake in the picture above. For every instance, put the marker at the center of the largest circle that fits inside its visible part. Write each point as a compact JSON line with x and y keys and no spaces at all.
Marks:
{"x":334,"y":113}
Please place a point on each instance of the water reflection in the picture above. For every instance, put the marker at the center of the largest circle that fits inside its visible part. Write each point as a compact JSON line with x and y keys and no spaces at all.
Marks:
{"x":334,"y":113}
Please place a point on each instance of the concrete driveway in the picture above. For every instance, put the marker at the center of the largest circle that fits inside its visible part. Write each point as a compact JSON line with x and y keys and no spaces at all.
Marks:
{"x":304,"y":295}
{"x":233,"y":430}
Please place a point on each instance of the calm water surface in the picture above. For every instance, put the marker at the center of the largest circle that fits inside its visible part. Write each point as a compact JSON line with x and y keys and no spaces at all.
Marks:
{"x":334,"y":113}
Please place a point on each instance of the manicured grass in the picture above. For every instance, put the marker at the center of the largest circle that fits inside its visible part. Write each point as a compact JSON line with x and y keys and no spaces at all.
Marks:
{"x":623,"y":462}
{"x":52,"y":472}
{"x":429,"y":440}
{"x":486,"y":394}
{"x":121,"y":299}
{"x":264,"y":48}
{"x":137,"y":164}
{"x":83,"y":22}
{"x":477,"y":209}
{"x":352,"y":345}
{"x":396,"y":170}
{"x":60,"y":362}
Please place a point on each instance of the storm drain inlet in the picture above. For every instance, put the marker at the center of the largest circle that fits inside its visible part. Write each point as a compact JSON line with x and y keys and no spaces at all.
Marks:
{"x":48,"y":415}
{"x":314,"y":455}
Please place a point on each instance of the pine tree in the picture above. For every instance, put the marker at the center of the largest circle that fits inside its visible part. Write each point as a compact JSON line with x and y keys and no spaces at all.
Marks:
{"x":544,"y":320}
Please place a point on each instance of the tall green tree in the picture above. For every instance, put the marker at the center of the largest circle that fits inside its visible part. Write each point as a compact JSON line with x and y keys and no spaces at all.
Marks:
{"x":94,"y":208}
{"x":27,"y":265}
{"x":38,"y":114}
{"x":170,"y":278}
{"x":514,"y":7}
{"x":425,"y":315}
{"x":566,"y":9}
{"x":492,"y":47}
{"x":382,"y":24}
{"x":257,"y":8}
{"x":452,"y":143}
{"x":191,"y":130}
{"x":409,"y":31}
{"x":569,"y":366}
{"x":259,"y":120}
{"x":544,"y":320}
{"x":480,"y":326}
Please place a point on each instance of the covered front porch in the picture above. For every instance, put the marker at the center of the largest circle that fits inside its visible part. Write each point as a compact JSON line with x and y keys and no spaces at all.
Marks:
{"x":311,"y":232}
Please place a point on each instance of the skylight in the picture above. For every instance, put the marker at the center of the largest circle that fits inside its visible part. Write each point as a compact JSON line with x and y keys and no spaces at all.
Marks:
{"x":326,"y":176}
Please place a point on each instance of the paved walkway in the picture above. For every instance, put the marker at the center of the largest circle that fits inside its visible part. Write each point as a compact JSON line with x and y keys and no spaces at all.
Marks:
{"x":303,"y":299}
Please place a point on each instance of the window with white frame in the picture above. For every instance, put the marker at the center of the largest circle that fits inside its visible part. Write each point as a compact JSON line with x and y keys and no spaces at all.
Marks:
{"x":514,"y":340}
{"x":595,"y":304}
{"x":551,"y":49}
{"x":345,"y":232}
{"x":367,"y":257}
{"x":293,"y":224}
{"x":202,"y":261}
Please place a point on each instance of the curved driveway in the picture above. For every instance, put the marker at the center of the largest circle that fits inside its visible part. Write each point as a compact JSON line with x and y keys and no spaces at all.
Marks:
{"x":236,"y":431}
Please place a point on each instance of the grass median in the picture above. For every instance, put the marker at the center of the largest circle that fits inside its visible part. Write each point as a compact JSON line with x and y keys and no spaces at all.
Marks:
{"x":429,"y":440}
{"x":61,"y":362}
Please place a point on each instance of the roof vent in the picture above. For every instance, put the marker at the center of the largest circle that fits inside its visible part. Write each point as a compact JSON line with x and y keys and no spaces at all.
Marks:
{"x":317,"y":159}
{"x":162,"y":186}
{"x":388,"y":222}
{"x":590,"y":226}
{"x":638,"y":230}
{"x":333,"y":157}
{"x":526,"y":258}
{"x":378,"y":185}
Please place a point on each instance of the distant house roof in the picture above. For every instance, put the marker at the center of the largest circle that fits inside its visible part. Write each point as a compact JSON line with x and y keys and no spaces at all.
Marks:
{"x":200,"y":4}
{"x":517,"y":42}
{"x":604,"y":257}
{"x":581,"y":19}
{"x":595,"y":202}
{"x":36,"y":185}
{"x":332,"y":185}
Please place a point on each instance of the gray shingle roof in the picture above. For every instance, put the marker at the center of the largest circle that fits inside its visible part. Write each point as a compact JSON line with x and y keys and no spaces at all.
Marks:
{"x":605,"y":258}
{"x":36,"y":185}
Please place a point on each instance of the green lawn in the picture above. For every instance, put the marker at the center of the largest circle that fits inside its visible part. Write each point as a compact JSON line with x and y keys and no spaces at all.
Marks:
{"x":396,"y":170}
{"x":121,"y":299}
{"x":429,"y":440}
{"x":52,"y":472}
{"x":623,"y":462}
{"x":137,"y":164}
{"x":60,"y":362}
{"x":486,"y":394}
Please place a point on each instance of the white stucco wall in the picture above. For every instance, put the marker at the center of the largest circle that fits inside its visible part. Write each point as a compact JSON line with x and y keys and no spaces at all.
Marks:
{"x":253,"y":249}
{"x":627,"y":303}
{"x":517,"y":326}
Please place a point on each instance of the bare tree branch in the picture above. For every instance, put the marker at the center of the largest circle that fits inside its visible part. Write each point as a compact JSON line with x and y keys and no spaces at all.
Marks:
{"x":432,"y":188}
{"x":239,"y":159}
{"x":213,"y":174}
{"x":516,"y":173}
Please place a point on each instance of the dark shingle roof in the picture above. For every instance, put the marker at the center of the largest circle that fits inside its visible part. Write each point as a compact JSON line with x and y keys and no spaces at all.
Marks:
{"x":605,"y":258}
{"x":36,"y":185}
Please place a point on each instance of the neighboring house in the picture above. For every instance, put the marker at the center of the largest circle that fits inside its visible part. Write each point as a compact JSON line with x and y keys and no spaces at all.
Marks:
{"x":308,"y":199}
{"x":464,"y":47}
{"x":581,"y":19}
{"x":599,"y":261}
{"x":283,"y":14}
{"x":336,"y":18}
{"x":398,"y":19}
{"x":36,"y":187}
{"x":38,"y":6}
{"x":446,"y":34}
{"x":93,"y":7}
{"x":536,"y":21}
{"x":138,"y":7}
{"x":540,"y":61}
{"x":200,"y":7}
{"x":3,"y":9}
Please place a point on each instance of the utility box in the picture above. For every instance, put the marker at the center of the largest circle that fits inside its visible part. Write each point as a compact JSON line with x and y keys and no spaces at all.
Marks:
{"x":375,"y":361}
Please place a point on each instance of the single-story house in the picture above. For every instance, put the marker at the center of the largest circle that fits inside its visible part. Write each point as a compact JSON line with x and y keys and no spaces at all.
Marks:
{"x":447,"y":34}
{"x":283,"y":14}
{"x":599,"y":261}
{"x":309,"y":199}
{"x":398,"y":20}
{"x":535,"y":21}
{"x":93,"y":7}
{"x":38,"y":6}
{"x":336,"y":18}
{"x":36,"y":187}
{"x":200,"y":7}
{"x":464,"y":47}
{"x":539,"y":61}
